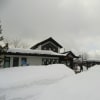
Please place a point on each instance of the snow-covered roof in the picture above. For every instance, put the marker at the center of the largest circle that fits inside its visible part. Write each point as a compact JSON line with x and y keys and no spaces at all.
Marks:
{"x":42,"y":42}
{"x":33,"y":52}
{"x":94,"y":59}
{"x":70,"y":52}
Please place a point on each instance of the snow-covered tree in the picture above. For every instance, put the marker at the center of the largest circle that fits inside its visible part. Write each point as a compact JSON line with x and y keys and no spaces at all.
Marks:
{"x":3,"y":47}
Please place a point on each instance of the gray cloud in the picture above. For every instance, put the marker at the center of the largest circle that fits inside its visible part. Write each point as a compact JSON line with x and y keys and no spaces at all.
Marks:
{"x":73,"y":23}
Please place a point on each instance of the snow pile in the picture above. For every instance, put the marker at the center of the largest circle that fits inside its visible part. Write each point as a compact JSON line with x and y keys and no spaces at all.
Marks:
{"x":12,"y":77}
{"x":26,"y":83}
{"x":49,"y":83}
{"x":84,"y":86}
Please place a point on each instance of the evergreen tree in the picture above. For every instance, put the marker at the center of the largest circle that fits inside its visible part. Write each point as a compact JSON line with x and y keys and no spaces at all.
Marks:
{"x":3,"y":47}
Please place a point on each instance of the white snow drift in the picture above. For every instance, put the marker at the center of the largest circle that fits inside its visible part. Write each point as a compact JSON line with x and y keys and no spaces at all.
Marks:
{"x":26,"y":83}
{"x":53,"y":82}
{"x":84,"y":86}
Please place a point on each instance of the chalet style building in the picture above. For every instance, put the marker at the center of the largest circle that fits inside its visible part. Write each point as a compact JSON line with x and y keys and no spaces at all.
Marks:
{"x":43,"y":53}
{"x":48,"y":44}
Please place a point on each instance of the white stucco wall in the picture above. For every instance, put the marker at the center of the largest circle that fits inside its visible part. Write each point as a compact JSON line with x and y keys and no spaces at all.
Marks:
{"x":31,"y":60}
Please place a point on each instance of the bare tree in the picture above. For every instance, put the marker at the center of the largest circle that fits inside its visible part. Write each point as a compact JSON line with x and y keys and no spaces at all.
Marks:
{"x":16,"y":43}
{"x":85,"y":56}
{"x":83,"y":59}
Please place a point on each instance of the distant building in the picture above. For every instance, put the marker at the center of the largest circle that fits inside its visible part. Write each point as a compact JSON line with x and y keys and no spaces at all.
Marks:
{"x":69,"y":59}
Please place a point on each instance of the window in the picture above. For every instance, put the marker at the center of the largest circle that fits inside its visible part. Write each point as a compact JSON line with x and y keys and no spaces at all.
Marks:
{"x":54,"y":61}
{"x":47,"y":61}
{"x":50,"y":46}
{"x":44,"y":48}
{"x":50,"y":49}
{"x":15,"y":61}
{"x":68,"y":63}
{"x":57,"y":61}
{"x":7,"y":62}
{"x":54,"y":50}
{"x":44,"y":61}
{"x":23,"y":61}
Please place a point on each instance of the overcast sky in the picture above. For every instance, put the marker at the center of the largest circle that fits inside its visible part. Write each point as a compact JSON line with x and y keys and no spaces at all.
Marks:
{"x":75,"y":24}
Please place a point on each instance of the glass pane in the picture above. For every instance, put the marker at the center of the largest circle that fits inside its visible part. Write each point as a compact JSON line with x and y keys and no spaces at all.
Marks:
{"x":23,"y":61}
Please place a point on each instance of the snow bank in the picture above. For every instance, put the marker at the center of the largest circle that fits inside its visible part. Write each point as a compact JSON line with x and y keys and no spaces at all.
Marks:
{"x":84,"y":86}
{"x":28,"y":82}
{"x":49,"y":83}
{"x":24,"y":76}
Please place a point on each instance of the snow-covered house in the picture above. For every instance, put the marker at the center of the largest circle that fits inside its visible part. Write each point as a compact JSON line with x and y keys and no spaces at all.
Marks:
{"x":43,"y":53}
{"x":20,"y":57}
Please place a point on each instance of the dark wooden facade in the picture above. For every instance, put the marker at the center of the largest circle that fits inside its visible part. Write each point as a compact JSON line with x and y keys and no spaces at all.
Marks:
{"x":48,"y":44}
{"x":69,"y":59}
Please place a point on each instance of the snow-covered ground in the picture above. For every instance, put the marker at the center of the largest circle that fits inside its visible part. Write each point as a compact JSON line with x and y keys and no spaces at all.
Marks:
{"x":29,"y":82}
{"x":53,"y":82}
{"x":83,"y":86}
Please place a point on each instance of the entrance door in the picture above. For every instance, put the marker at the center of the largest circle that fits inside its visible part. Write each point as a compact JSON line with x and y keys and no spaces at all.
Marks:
{"x":15,"y":61}
{"x":7,"y":62}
